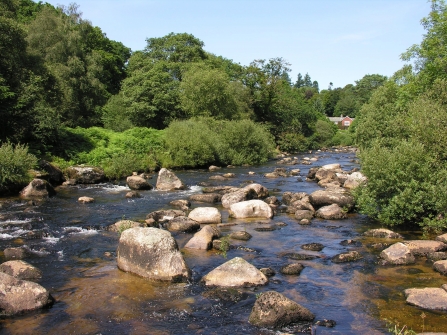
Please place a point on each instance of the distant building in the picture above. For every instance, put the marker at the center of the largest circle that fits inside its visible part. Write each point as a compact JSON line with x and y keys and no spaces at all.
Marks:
{"x":343,"y":122}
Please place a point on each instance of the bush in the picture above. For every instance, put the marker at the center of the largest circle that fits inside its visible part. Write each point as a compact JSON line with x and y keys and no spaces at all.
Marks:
{"x":404,"y":159}
{"x":15,"y":162}
{"x":205,"y":141}
{"x":119,"y":154}
{"x":292,"y":142}
{"x":343,"y":138}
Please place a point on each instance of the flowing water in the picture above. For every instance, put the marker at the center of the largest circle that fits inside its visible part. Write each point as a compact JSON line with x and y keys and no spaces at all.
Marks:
{"x":68,"y":242}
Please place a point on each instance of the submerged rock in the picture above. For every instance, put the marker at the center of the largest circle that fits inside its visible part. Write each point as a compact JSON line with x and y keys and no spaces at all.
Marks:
{"x":382,"y":233}
{"x":292,"y":269}
{"x":428,"y":298}
{"x":350,"y":256}
{"x":273,"y":310}
{"x":235,"y":272}
{"x":240,"y":235}
{"x":151,"y":253}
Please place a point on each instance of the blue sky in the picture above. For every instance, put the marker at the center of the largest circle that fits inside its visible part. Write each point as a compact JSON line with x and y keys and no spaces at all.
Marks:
{"x":336,"y":41}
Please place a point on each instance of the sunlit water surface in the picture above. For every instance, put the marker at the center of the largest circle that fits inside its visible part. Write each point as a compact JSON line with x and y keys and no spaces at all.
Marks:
{"x":68,"y":242}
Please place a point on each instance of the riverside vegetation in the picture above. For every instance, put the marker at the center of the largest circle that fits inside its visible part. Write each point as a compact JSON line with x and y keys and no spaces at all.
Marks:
{"x":76,"y":97}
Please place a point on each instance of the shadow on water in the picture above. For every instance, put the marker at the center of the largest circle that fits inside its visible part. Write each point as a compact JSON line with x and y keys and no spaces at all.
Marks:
{"x":67,"y":241}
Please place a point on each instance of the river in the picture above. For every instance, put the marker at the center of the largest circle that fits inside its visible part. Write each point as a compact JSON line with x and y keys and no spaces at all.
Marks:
{"x":68,"y":242}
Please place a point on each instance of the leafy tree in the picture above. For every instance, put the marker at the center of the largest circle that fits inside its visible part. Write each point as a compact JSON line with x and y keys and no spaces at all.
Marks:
{"x":274,"y":100}
{"x":209,"y":92}
{"x":366,"y":86}
{"x":430,"y":56}
{"x":150,"y":94}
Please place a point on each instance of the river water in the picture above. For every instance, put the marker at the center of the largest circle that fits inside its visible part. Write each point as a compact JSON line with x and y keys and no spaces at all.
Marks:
{"x":68,"y":242}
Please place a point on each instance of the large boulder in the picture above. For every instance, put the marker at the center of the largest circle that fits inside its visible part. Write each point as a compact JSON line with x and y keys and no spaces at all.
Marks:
{"x":235,"y":272}
{"x":203,"y":239}
{"x":206,"y":215}
{"x":21,"y":270}
{"x":85,"y":174}
{"x":151,"y":253}
{"x":251,"y":209}
{"x":138,"y":183}
{"x":332,"y":196}
{"x":18,"y":296}
{"x":331,"y":212}
{"x":37,"y":189}
{"x":168,"y":181}
{"x":251,"y":191}
{"x":182,"y":224}
{"x":274,"y":310}
{"x":431,"y":298}
{"x":425,"y":247}
{"x":397,"y":254}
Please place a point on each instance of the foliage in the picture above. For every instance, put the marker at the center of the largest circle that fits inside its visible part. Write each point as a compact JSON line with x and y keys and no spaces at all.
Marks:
{"x":342,"y":138}
{"x":403,"y":155}
{"x":430,"y":56}
{"x":205,"y":91}
{"x":15,"y":162}
{"x":119,"y":154}
{"x":204,"y":141}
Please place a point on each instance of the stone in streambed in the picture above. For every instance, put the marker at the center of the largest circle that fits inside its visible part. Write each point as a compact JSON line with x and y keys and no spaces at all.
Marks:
{"x":151,"y":253}
{"x":274,"y":310}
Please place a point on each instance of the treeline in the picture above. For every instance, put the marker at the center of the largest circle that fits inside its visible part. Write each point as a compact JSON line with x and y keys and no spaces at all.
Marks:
{"x":57,"y":70}
{"x":402,"y":134}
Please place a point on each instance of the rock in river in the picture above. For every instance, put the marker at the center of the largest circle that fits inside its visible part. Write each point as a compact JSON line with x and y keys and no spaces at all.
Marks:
{"x":206,"y":215}
{"x":151,"y":253}
{"x":203,"y":239}
{"x":398,"y":254}
{"x":18,"y":296}
{"x":37,"y":189}
{"x":168,"y":181}
{"x":273,"y":310}
{"x":251,"y":209}
{"x":235,"y":272}
{"x":431,"y":298}
{"x":21,"y":270}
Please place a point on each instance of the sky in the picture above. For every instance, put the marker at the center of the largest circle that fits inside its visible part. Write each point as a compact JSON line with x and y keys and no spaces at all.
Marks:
{"x":336,"y":41}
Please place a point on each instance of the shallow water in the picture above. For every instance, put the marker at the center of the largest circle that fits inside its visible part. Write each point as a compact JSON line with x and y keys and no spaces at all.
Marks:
{"x":77,"y":256}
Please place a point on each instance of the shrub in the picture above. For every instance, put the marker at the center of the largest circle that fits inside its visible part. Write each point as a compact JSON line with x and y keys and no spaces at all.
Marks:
{"x":292,"y":142}
{"x":15,"y":162}
{"x":119,"y":154}
{"x":343,"y":138}
{"x":204,"y":141}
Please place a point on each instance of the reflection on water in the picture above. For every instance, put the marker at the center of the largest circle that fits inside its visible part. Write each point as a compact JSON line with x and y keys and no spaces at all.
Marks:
{"x":67,"y":241}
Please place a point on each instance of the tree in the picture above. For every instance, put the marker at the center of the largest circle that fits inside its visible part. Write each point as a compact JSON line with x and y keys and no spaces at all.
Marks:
{"x":209,"y":92}
{"x":367,"y":85}
{"x":430,"y":56}
{"x":307,"y":81}
{"x":299,"y":81}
